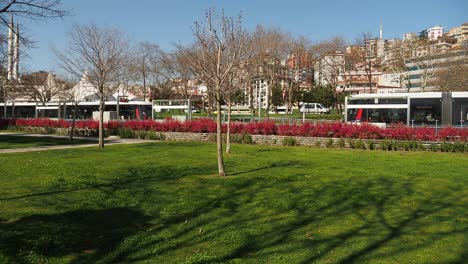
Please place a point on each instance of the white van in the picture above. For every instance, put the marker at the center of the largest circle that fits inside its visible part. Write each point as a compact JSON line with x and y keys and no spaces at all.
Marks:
{"x":313,"y":108}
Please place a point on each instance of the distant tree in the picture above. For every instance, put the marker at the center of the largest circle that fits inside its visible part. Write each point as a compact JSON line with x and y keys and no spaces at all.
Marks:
{"x":100,"y":53}
{"x":72,"y":93}
{"x":277,"y":95}
{"x":41,"y":86}
{"x":329,"y":62}
{"x":269,"y":47}
{"x":177,"y":69}
{"x":142,"y":59}
{"x":452,"y":78}
{"x":319,"y":94}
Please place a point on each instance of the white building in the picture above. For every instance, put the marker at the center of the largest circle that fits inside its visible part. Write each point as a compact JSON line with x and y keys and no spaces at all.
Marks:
{"x":433,"y":33}
{"x":260,"y":93}
{"x":329,"y":68}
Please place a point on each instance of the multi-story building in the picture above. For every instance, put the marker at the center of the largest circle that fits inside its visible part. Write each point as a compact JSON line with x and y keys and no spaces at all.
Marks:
{"x":433,"y":33}
{"x":421,"y":70}
{"x":375,"y":47}
{"x":260,"y":93}
{"x":459,"y":33}
{"x":300,"y":69}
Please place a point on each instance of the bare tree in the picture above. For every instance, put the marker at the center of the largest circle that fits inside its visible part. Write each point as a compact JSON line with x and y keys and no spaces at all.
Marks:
{"x":329,"y":64}
{"x":32,"y":9}
{"x":41,"y":86}
{"x":143,"y":58}
{"x":99,"y":53}
{"x":221,"y":43}
{"x":452,"y":78}
{"x":269,"y":47}
{"x":176,"y":68}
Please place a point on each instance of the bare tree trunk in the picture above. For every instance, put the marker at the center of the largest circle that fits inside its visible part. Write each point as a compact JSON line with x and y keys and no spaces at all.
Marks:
{"x":228,"y":131}
{"x":219,"y":133}
{"x":290,"y":108}
{"x":101,"y":123}
{"x":210,"y":100}
{"x":267,"y":115}
{"x":144,"y":87}
{"x":5,"y":108}
{"x":72,"y":130}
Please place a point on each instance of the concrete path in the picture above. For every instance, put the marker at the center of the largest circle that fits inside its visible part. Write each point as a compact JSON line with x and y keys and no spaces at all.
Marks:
{"x":112,"y":140}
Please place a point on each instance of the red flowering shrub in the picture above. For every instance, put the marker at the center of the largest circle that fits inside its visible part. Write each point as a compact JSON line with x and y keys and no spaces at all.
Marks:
{"x":88,"y":123}
{"x":203,"y":125}
{"x":112,"y":125}
{"x":319,"y":129}
{"x":41,"y":122}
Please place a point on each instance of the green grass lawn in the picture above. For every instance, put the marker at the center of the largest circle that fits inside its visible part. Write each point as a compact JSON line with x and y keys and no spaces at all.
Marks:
{"x":13,"y":141}
{"x":163,"y":203}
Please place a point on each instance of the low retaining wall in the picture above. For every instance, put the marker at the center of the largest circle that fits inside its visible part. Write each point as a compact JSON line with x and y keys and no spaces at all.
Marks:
{"x":370,"y":144}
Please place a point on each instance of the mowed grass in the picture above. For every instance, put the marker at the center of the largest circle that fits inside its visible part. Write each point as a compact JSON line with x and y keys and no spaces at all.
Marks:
{"x":163,"y":203}
{"x":19,"y":141}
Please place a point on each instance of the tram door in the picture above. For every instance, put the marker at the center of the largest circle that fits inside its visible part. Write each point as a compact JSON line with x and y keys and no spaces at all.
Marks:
{"x":463,"y":115}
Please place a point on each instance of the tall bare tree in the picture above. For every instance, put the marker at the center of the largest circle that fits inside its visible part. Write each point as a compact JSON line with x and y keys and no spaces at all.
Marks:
{"x":99,"y":53}
{"x":143,"y":59}
{"x":269,"y":47}
{"x":329,"y":64}
{"x":221,"y":42}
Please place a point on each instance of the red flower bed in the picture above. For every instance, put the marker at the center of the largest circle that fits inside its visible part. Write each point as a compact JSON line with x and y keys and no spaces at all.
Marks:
{"x":41,"y":122}
{"x":323,"y":129}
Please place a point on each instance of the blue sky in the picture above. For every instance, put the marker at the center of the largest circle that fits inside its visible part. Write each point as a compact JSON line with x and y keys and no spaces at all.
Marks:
{"x":167,"y":22}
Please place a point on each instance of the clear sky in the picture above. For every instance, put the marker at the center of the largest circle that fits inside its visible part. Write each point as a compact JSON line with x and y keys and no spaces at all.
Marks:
{"x":169,"y":21}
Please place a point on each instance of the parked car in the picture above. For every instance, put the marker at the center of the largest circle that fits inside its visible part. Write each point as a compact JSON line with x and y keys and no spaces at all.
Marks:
{"x":313,"y":108}
{"x":281,"y":110}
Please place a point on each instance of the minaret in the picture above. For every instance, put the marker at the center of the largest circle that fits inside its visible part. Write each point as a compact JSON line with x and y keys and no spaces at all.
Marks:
{"x":16,"y":54}
{"x":381,"y":31}
{"x":11,"y":26}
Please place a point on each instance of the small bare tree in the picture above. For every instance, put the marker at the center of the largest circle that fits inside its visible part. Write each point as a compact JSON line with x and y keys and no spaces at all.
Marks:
{"x":221,"y":44}
{"x":99,"y":53}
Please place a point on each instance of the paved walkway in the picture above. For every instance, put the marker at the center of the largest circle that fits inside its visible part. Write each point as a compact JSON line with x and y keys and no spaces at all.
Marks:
{"x":112,"y":140}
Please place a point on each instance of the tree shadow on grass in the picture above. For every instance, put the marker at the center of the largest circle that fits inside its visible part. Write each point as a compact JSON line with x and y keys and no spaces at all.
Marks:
{"x":249,"y":218}
{"x":83,"y":236}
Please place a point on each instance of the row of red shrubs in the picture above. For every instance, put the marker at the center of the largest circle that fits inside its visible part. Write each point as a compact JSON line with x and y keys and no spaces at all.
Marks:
{"x":324,"y":129}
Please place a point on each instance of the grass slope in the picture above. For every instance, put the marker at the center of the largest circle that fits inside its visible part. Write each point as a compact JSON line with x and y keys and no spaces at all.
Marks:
{"x":163,"y":203}
{"x":13,"y":141}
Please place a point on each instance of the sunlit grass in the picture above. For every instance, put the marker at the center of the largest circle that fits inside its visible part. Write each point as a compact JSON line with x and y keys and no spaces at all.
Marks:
{"x":163,"y":203}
